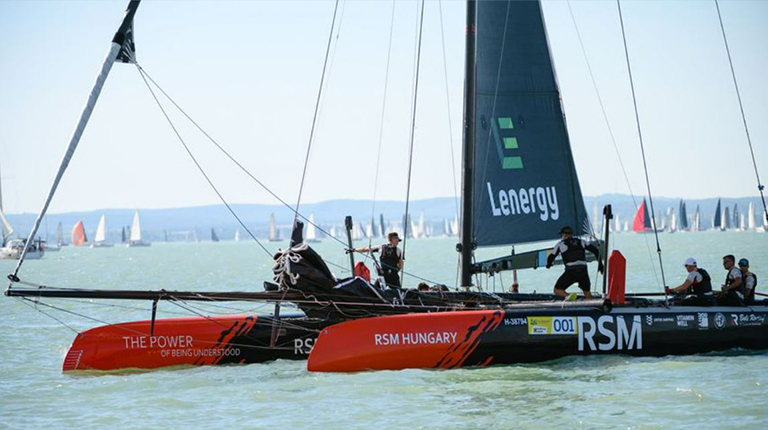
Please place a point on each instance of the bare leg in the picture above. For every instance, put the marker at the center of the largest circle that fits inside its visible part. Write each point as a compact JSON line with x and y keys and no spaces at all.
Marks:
{"x":561,"y":293}
{"x":587,"y":295}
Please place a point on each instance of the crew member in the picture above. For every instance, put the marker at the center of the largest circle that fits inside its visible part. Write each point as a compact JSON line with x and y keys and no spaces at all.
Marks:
{"x":390,"y":258}
{"x":750,"y":281}
{"x":733,"y":288}
{"x":574,"y":255}
{"x":698,"y":286}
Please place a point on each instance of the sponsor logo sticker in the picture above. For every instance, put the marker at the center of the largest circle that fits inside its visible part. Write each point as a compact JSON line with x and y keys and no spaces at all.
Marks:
{"x":683,"y":320}
{"x":552,"y":325}
{"x":719,"y":321}
{"x":703,"y":319}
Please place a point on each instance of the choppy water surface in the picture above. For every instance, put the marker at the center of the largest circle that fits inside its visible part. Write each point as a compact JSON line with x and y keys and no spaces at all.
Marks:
{"x":726,"y":390}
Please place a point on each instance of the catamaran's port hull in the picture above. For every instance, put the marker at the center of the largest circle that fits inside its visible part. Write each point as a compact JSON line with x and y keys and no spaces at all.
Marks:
{"x":481,"y":338}
{"x":194,"y":341}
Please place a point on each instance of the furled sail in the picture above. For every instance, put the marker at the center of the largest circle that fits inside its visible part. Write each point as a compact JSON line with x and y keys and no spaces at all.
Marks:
{"x":78,"y":234}
{"x":525,"y":184}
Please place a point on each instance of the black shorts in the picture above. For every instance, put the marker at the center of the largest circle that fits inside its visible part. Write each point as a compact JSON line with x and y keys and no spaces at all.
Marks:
{"x":570,"y":277}
{"x":392,"y":278}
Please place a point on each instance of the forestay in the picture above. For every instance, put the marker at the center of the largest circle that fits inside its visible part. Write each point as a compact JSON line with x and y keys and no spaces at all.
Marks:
{"x":525,"y":185}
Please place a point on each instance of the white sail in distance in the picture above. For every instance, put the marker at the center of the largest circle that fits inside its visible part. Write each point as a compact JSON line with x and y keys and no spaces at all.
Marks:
{"x":311,"y":230}
{"x":7,"y":229}
{"x":136,"y":228}
{"x":100,"y":235}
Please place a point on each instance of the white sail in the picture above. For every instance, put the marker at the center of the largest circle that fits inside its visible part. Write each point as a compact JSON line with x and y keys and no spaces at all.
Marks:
{"x":751,"y":225}
{"x":136,"y":228}
{"x":100,"y":235}
{"x":237,"y":235}
{"x":369,"y":230}
{"x":272,"y":229}
{"x":311,"y":230}
{"x":7,"y":229}
{"x":617,"y":224}
{"x":421,"y":230}
{"x":59,"y":234}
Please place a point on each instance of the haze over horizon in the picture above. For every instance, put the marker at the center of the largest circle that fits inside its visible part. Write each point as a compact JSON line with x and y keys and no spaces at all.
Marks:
{"x":248,"y":73}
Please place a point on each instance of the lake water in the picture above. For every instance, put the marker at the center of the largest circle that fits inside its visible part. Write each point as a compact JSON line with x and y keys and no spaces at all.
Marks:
{"x":724,"y":390}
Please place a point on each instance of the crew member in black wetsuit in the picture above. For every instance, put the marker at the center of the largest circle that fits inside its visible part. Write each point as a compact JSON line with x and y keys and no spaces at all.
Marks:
{"x":750,"y":281}
{"x":698,"y":286}
{"x":574,"y":255}
{"x":733,"y":288}
{"x":390,"y":258}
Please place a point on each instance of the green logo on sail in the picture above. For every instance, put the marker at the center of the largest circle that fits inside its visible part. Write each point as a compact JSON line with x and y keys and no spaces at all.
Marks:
{"x":506,"y":143}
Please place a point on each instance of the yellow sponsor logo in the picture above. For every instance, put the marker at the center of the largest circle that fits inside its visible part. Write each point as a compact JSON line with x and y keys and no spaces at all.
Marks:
{"x":552,"y":325}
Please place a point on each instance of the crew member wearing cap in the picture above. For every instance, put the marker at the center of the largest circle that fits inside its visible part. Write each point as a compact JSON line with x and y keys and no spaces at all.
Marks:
{"x":574,"y":255}
{"x":698,"y":286}
{"x":390,"y":258}
{"x":733,"y":288}
{"x":750,"y":281}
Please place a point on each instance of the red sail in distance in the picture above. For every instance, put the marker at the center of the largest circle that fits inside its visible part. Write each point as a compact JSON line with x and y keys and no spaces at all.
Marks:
{"x":642,"y":220}
{"x":78,"y":234}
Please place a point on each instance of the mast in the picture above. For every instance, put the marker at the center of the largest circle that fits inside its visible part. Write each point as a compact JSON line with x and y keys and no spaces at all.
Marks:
{"x":122,"y":49}
{"x":465,"y":246}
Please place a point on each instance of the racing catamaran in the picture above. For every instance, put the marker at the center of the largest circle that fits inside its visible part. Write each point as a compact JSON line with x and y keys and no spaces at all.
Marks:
{"x":519,"y":186}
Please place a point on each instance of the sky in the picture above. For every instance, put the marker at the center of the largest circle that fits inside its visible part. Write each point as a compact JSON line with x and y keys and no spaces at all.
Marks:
{"x":248,"y":73}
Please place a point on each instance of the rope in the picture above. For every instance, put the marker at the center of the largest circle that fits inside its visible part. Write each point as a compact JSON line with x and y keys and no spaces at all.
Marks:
{"x":610,"y":130}
{"x":413,"y":131}
{"x":642,"y":147}
{"x":199,"y":167}
{"x":317,"y":108}
{"x":760,"y":186}
{"x":381,"y":125}
{"x":448,"y":108}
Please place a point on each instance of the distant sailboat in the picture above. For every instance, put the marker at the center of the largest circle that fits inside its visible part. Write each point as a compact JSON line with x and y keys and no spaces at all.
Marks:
{"x":237,"y":235}
{"x":214,"y":236}
{"x":642,"y":221}
{"x":683,"y":219}
{"x":135,"y":239}
{"x":99,"y":240}
{"x":78,"y":234}
{"x":726,"y":219}
{"x":717,"y":221}
{"x":7,"y":229}
{"x":122,"y":235}
{"x":274,"y":233}
{"x":696,"y":220}
{"x":311,"y":230}
{"x":736,"y":217}
{"x":60,"y":235}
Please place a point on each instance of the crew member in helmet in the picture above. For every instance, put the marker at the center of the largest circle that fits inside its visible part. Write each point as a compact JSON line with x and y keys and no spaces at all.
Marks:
{"x":698,"y":286}
{"x":750,"y":281}
{"x":573,"y":251}
{"x":733,"y":288}
{"x":390,"y":258}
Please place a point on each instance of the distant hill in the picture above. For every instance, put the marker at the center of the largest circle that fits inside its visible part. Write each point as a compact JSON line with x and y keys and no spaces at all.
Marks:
{"x":181,"y":222}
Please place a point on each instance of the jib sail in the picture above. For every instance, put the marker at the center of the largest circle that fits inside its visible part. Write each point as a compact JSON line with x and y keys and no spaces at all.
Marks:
{"x":525,"y":187}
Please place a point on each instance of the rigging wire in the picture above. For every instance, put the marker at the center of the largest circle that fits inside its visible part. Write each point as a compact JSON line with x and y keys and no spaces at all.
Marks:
{"x":413,"y":131}
{"x":642,"y":147}
{"x":450,"y":134}
{"x":199,"y":167}
{"x":610,"y":130}
{"x":317,"y":108}
{"x":381,"y":124}
{"x":760,"y":186}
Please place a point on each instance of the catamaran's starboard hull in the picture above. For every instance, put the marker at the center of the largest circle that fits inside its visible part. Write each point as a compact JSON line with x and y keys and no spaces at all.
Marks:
{"x":194,"y":341}
{"x":481,"y":338}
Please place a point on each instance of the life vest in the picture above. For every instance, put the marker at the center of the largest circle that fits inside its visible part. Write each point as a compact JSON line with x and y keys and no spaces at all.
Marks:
{"x":754,"y":286}
{"x":704,"y":287}
{"x":389,"y":258}
{"x":740,"y":290}
{"x":361,"y":271}
{"x":575,"y":252}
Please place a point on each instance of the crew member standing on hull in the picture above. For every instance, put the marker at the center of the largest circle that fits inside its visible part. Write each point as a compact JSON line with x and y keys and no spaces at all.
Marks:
{"x":750,"y":281}
{"x":698,"y":284}
{"x":573,"y":251}
{"x":390,"y":258}
{"x":733,"y":289}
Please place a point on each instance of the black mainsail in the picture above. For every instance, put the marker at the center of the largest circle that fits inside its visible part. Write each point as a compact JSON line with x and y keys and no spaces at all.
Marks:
{"x":526,"y":187}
